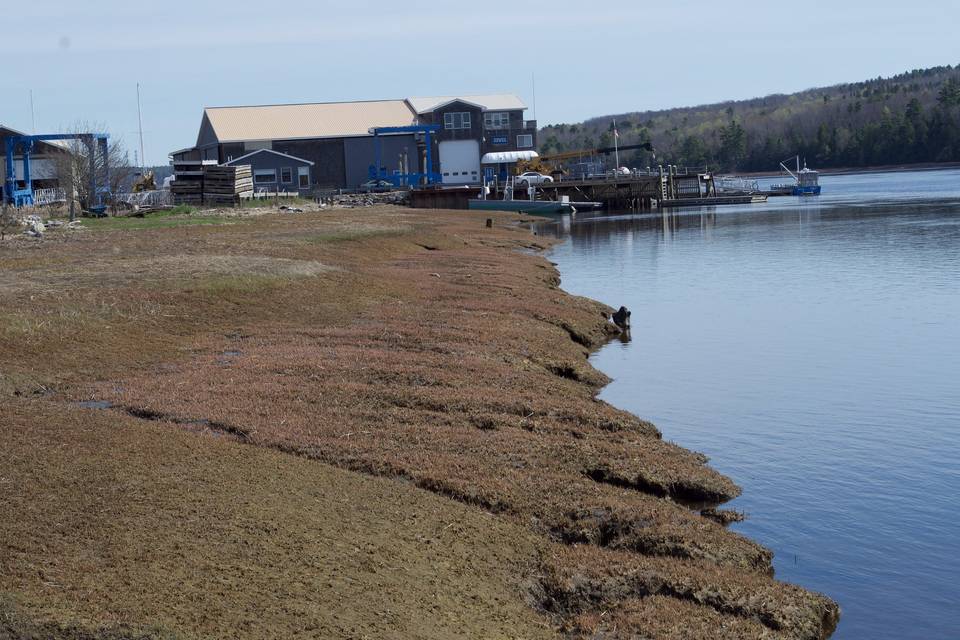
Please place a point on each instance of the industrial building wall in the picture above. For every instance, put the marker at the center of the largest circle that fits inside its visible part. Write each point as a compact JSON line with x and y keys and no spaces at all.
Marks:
{"x":230,"y":151}
{"x":359,"y":156}
{"x":326,"y":155}
{"x":474,"y":132}
{"x":207,"y":136}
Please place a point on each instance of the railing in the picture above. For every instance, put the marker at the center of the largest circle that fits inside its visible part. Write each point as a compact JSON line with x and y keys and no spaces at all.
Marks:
{"x":145,"y":199}
{"x":263,"y":193}
{"x":733,"y":184}
{"x":48,"y":196}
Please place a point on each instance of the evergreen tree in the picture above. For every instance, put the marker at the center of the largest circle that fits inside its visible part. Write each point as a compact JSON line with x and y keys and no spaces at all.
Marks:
{"x":733,"y":145}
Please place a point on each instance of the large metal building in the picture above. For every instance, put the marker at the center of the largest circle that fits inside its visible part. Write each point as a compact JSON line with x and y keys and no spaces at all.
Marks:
{"x":335,"y":137}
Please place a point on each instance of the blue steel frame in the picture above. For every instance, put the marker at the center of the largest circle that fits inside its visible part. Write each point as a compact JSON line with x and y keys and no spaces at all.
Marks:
{"x":24,"y":197}
{"x":404,"y":179}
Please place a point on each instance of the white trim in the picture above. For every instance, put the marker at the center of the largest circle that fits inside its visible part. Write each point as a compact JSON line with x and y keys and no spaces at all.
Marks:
{"x":500,"y":114}
{"x":464,"y":116}
{"x":264,"y":172}
{"x":253,"y":153}
{"x":303,"y":172}
{"x":449,"y":102}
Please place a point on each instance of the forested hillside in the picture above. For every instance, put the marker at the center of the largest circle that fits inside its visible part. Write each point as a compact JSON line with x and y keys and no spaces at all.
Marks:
{"x":909,"y":118}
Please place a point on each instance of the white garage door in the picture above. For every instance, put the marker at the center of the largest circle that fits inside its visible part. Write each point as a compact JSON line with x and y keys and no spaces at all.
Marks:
{"x":460,"y":161}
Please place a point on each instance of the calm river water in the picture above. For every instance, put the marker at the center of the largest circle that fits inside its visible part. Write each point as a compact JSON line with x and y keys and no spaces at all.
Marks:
{"x":811,"y":348}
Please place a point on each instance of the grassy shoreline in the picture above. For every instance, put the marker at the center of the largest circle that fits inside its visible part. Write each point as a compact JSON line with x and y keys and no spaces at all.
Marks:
{"x":407,"y":357}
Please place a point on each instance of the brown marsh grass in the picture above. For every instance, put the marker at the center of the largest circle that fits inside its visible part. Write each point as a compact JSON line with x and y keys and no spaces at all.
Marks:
{"x":418,"y":349}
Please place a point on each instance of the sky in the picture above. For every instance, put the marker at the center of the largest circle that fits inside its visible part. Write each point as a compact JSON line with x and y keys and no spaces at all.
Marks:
{"x":83,"y":59}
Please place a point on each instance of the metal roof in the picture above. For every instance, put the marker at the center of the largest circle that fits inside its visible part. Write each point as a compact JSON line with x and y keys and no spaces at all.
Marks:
{"x":491,"y":102}
{"x":10,"y":131}
{"x":317,"y":120}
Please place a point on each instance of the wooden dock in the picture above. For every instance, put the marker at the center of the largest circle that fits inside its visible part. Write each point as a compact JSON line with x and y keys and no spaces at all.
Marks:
{"x":642,"y":191}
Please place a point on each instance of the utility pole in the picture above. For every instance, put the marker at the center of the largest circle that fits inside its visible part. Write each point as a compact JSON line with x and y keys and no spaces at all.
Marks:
{"x":533,"y":85}
{"x":140,"y":123}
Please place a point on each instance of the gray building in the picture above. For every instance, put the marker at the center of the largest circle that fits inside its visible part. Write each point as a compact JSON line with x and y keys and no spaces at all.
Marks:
{"x":335,"y":136}
{"x":275,"y":171}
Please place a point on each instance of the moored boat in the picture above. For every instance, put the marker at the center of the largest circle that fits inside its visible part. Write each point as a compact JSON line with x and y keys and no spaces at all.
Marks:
{"x":523,"y":206}
{"x":806,"y":182}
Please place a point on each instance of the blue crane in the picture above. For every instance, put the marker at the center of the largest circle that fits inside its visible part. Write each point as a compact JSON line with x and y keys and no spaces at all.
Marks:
{"x":400,"y":179}
{"x":96,"y":144}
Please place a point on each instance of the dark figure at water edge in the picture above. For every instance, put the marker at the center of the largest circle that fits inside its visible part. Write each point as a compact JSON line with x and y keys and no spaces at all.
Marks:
{"x":622,"y":318}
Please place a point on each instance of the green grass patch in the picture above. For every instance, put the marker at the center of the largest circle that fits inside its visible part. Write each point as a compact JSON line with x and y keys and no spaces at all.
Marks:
{"x":179,"y":210}
{"x":259,"y":203}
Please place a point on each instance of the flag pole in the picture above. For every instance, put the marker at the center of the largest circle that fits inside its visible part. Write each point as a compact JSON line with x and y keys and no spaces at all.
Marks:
{"x":616,"y":146}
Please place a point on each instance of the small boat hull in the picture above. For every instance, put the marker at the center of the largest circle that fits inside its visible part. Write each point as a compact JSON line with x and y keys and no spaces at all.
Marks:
{"x":521,"y":206}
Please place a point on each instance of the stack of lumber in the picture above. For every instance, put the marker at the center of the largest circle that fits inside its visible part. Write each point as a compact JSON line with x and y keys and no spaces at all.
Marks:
{"x":223,"y":185}
{"x":187,"y":185}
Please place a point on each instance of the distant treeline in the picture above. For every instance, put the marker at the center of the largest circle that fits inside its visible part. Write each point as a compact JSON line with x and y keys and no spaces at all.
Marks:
{"x":910,"y":118}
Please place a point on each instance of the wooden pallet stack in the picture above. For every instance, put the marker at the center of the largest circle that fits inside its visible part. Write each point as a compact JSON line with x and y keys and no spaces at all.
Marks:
{"x":226,"y":185}
{"x":187,"y":185}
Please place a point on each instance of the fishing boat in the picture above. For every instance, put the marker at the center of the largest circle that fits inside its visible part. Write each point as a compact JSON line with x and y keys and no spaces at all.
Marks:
{"x":806,"y":182}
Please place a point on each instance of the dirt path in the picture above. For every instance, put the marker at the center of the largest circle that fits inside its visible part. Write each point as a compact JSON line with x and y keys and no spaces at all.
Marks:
{"x":419,"y":349}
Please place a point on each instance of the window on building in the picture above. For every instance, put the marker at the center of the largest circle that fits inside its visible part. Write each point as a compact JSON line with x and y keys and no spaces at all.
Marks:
{"x":456,"y":120}
{"x":264,"y":176}
{"x":303,"y":176}
{"x":496,"y":120}
{"x":525,"y":141}
{"x":286,"y":175}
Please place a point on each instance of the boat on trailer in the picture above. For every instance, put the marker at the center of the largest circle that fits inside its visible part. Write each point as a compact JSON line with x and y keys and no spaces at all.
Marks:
{"x":806,"y":182}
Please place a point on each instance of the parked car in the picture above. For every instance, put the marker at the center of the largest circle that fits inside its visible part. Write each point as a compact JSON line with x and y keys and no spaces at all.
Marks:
{"x":531,"y":178}
{"x":376,"y":186}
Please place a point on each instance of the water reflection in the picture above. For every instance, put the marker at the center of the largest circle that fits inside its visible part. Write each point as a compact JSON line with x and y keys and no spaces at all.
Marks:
{"x":810,"y":348}
{"x":670,"y":221}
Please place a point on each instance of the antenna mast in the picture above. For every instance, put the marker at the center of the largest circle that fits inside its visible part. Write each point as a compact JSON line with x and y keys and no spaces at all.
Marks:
{"x":33,"y":118}
{"x":533,"y":84}
{"x":140,"y":123}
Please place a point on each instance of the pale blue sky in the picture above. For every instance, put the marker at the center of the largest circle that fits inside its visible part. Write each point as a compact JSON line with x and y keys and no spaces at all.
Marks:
{"x":83,"y":58}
